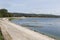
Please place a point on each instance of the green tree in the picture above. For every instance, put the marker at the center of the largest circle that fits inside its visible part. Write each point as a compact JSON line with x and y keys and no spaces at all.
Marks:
{"x":0,"y":15}
{"x":3,"y":12}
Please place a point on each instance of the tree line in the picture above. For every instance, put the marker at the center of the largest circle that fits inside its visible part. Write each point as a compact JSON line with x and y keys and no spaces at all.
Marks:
{"x":5,"y":13}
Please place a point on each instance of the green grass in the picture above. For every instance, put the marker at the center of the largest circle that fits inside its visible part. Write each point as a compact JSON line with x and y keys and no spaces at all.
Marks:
{"x":1,"y":37}
{"x":11,"y":19}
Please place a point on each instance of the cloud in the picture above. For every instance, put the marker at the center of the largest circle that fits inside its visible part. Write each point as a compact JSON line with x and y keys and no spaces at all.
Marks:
{"x":36,"y":6}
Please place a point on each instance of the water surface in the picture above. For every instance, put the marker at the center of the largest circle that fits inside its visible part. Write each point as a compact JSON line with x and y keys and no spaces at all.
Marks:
{"x":47,"y":26}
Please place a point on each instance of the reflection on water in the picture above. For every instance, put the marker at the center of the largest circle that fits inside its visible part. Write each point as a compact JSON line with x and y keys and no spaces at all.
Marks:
{"x":49,"y":26}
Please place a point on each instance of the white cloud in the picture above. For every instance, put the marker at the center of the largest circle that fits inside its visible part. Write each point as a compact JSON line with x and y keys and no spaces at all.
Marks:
{"x":37,"y":6}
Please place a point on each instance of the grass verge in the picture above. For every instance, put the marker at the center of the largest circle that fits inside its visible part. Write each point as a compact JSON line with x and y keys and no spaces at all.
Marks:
{"x":1,"y":36}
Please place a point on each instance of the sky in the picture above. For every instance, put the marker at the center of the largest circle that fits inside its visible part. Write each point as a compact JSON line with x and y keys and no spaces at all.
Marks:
{"x":32,"y":6}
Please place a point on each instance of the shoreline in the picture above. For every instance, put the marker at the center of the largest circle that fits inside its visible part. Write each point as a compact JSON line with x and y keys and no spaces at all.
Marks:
{"x":36,"y":31}
{"x":27,"y":31}
{"x":51,"y":36}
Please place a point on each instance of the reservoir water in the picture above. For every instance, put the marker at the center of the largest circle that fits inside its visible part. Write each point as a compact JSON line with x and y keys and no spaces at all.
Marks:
{"x":46,"y":26}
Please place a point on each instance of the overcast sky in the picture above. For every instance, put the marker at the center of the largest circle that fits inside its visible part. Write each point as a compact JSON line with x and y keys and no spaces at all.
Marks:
{"x":32,"y":6}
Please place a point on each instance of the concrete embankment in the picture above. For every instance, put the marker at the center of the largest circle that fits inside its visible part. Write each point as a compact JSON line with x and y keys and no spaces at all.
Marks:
{"x":12,"y":31}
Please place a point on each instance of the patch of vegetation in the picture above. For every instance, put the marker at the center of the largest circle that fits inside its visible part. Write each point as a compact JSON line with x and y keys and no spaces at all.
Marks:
{"x":11,"y":18}
{"x":1,"y":36}
{"x":5,"y":13}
